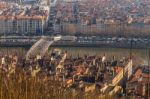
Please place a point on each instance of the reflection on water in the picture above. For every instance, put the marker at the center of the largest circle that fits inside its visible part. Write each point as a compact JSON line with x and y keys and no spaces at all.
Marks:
{"x":140,"y":56}
{"x":19,"y":51}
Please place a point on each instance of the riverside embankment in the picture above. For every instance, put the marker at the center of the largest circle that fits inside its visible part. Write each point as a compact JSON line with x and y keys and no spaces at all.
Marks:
{"x":91,"y":41}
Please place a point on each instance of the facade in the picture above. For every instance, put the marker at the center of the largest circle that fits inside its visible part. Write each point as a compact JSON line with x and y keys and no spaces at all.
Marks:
{"x":22,"y":25}
{"x":21,"y":1}
{"x":139,"y":82}
{"x":26,"y":20}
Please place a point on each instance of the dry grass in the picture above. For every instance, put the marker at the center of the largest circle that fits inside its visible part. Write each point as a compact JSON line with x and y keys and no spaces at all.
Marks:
{"x":21,"y":86}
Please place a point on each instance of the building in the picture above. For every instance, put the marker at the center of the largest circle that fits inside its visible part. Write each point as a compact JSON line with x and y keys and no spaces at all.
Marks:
{"x":22,"y":1}
{"x":23,"y":19}
{"x":139,"y":82}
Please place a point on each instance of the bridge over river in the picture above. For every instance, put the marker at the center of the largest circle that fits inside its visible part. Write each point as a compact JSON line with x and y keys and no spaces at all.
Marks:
{"x":40,"y":47}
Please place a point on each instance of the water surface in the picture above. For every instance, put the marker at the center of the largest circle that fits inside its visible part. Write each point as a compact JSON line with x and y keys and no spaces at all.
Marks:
{"x":140,"y":56}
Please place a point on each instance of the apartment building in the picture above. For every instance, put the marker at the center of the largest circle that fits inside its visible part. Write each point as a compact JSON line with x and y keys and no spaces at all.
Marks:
{"x":25,"y":20}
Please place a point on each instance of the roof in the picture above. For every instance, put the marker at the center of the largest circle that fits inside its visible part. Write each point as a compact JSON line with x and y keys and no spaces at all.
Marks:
{"x":118,"y":69}
{"x":12,"y":11}
{"x":139,"y":73}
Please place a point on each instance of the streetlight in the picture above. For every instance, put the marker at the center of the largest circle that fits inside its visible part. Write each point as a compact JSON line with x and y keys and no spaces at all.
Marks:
{"x":148,"y":85}
{"x":42,"y":25}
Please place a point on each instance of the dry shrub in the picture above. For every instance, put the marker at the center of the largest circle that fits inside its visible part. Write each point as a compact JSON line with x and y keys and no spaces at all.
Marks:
{"x":21,"y":86}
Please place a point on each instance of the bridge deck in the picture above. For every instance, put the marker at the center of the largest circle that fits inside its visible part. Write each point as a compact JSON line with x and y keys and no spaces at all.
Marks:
{"x":40,"y":47}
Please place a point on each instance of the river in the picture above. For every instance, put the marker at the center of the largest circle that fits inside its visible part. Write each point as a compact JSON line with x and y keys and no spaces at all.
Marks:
{"x":140,"y":56}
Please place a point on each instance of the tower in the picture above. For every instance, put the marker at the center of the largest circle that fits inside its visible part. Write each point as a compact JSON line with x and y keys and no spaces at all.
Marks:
{"x":48,"y":2}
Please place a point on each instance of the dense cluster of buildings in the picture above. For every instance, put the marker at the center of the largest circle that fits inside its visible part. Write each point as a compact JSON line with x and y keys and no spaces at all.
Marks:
{"x":139,"y":81}
{"x":33,"y":16}
{"x":105,"y":74}
{"x":21,"y":19}
{"x":104,"y":11}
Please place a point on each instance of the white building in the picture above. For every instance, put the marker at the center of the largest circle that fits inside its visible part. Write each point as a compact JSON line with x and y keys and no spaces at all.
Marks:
{"x":23,"y":20}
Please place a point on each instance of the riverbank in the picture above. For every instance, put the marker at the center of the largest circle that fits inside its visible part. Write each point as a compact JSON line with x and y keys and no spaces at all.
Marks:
{"x":93,"y":41}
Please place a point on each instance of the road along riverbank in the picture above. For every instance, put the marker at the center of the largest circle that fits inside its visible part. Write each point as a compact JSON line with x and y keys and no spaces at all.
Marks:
{"x":93,"y":41}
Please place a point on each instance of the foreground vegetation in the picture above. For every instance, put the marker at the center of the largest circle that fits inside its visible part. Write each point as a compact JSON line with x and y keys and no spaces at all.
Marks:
{"x":21,"y":86}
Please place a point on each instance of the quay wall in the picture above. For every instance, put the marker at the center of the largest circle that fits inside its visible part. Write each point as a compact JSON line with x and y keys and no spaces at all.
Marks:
{"x":103,"y":44}
{"x":106,"y":30}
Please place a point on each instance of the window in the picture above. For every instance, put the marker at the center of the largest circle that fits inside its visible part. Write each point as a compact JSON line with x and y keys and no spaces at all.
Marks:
{"x":26,"y":26}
